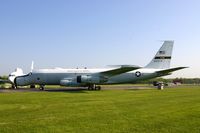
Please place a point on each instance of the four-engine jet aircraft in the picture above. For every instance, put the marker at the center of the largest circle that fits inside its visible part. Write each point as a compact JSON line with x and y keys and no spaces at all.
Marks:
{"x":93,"y":78}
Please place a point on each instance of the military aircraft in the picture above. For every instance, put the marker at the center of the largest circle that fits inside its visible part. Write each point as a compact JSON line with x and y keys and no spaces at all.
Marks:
{"x":93,"y":78}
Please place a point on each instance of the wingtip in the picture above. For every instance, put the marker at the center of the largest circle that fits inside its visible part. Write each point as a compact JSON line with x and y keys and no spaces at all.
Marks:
{"x":185,"y":67}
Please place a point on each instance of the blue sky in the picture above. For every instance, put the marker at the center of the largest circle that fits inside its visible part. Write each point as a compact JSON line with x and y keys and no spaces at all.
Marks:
{"x":96,"y":33}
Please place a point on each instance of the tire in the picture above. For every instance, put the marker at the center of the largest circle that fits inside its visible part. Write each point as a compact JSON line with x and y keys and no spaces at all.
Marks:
{"x":41,"y":88}
{"x":99,"y":88}
{"x":32,"y":86}
{"x":14,"y":87}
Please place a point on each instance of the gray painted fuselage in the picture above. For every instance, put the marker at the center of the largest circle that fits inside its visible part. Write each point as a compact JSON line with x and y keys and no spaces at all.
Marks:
{"x":54,"y":77}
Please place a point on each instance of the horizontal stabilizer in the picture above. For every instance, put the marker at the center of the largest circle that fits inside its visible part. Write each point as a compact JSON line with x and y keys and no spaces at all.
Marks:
{"x":122,"y":69}
{"x":168,"y":71}
{"x":117,"y":66}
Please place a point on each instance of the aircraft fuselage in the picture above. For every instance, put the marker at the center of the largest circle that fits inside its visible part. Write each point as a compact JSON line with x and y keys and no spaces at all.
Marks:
{"x":54,"y":77}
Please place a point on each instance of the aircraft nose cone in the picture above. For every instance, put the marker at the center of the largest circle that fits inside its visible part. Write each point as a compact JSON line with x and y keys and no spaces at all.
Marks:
{"x":11,"y":78}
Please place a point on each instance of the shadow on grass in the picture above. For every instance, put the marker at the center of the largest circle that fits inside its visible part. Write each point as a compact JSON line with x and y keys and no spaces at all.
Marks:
{"x":79,"y":89}
{"x":68,"y":90}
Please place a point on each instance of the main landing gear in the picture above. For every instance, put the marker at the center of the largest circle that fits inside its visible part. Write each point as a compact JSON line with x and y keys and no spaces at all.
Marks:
{"x":41,"y":87}
{"x":94,"y":87}
{"x":32,"y":86}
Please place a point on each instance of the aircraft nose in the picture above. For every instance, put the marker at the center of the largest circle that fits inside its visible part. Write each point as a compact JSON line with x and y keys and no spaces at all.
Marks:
{"x":11,"y":79}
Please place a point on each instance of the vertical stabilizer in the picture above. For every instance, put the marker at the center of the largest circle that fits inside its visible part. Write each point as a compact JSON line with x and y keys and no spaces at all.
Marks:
{"x":163,"y":57}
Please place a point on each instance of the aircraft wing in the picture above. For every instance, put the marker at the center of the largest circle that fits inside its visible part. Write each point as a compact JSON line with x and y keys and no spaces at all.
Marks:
{"x":117,"y":71}
{"x":169,"y":71}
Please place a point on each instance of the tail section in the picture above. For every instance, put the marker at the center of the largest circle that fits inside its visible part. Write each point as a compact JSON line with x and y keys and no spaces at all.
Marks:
{"x":162,"y":59}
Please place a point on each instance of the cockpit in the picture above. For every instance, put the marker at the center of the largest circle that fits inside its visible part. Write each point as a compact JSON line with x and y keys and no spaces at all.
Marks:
{"x":26,"y":75}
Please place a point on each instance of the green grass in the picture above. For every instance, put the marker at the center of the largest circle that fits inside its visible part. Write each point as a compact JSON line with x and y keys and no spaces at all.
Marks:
{"x":174,"y":110}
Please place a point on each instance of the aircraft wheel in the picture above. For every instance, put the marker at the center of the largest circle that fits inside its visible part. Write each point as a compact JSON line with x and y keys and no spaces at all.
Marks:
{"x":93,"y":87}
{"x":14,"y":87}
{"x":32,"y":86}
{"x":99,"y":88}
{"x":41,"y":88}
{"x":90,"y":87}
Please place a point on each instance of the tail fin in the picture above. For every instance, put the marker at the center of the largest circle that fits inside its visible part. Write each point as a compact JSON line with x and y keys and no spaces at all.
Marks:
{"x":162,"y":59}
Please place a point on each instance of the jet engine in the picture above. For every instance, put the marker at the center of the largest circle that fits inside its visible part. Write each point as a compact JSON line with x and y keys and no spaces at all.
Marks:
{"x":88,"y":79}
{"x":69,"y":82}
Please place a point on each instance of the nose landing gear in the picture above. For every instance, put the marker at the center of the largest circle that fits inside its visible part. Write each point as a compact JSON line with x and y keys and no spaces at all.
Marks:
{"x":14,"y":87}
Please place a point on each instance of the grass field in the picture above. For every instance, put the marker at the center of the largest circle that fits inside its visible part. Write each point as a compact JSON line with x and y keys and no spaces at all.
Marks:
{"x":173,"y":110}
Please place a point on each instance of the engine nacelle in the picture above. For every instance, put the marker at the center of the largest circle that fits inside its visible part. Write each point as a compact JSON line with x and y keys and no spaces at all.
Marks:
{"x":69,"y":82}
{"x":88,"y":79}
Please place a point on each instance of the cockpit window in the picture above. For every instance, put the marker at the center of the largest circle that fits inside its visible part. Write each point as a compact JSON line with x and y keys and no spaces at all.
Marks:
{"x":26,"y":75}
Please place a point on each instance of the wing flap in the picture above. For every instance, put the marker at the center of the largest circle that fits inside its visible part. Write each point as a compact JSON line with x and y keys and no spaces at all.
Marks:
{"x":117,"y":71}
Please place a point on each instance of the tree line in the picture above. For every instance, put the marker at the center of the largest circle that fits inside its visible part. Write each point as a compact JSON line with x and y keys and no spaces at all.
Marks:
{"x":174,"y":80}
